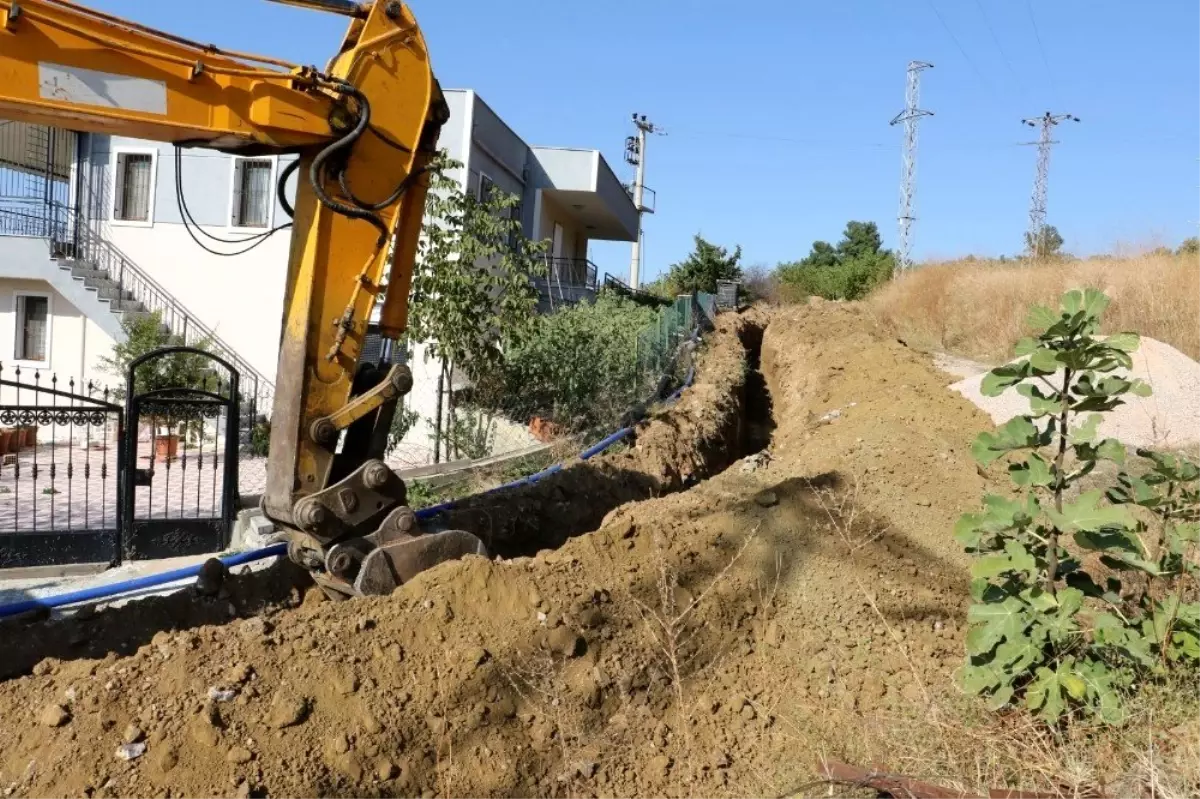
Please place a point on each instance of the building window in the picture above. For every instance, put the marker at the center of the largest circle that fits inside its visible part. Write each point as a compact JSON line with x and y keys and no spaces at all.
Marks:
{"x":33,"y":328}
{"x":251,"y":205}
{"x":486,"y":187}
{"x":133,"y":195}
{"x":514,"y":233}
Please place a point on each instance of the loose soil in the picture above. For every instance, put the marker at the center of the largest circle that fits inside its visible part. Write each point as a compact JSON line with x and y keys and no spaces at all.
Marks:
{"x":696,"y":614}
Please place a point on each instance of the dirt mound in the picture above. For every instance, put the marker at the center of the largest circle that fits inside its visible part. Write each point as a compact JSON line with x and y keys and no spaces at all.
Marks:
{"x":710,"y":640}
{"x":1167,"y":418}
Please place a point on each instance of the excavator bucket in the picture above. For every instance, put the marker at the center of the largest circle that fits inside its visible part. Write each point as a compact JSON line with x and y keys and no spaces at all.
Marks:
{"x":397,"y":562}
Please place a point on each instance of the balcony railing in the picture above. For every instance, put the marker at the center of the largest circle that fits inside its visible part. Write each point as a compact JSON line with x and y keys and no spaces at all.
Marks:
{"x":567,"y":280}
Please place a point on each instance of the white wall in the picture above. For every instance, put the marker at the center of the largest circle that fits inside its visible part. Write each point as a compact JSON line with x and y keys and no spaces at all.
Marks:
{"x":76,"y":344}
{"x":240,"y":298}
{"x":575,"y":241}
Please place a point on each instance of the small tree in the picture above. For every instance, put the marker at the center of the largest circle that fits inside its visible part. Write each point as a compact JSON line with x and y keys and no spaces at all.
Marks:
{"x":701,"y":270}
{"x":1043,"y":626}
{"x":471,"y":288}
{"x":182,"y":370}
{"x":1047,"y":243}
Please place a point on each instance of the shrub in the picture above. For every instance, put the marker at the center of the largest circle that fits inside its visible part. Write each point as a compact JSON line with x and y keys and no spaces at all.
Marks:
{"x":847,"y":272}
{"x":578,"y":367}
{"x":1044,"y":627}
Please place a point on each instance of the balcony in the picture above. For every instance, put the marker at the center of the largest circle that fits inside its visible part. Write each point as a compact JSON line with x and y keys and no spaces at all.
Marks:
{"x":581,"y":183}
{"x":566,"y":282}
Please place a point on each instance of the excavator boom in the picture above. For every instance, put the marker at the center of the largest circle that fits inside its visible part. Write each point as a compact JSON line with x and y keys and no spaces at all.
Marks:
{"x":365,"y":129}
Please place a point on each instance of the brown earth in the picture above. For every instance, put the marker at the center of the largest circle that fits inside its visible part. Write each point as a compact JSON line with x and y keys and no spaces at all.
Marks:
{"x":657,"y":623}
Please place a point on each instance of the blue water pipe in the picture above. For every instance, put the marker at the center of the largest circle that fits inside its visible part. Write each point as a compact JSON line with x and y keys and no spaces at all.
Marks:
{"x":136,"y":584}
{"x":162,"y":578}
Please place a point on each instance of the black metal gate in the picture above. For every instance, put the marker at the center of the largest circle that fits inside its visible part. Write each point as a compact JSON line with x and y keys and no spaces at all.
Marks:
{"x":181,"y":452}
{"x":60,"y":461}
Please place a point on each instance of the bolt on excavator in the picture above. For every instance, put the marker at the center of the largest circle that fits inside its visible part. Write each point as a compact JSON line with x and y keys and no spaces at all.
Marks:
{"x":365,"y":130}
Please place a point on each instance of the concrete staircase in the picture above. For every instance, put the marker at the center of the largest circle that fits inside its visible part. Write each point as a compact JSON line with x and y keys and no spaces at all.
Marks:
{"x":121,"y":302}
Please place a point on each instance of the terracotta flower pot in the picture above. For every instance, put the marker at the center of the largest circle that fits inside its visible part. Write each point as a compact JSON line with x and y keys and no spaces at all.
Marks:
{"x":6,"y":441}
{"x":166,"y":447}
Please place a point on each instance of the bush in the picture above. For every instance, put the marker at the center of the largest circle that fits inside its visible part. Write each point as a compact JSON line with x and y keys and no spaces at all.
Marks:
{"x":847,"y":272}
{"x":852,"y":279}
{"x":1079,"y":628}
{"x":260,"y":437}
{"x":578,"y":367}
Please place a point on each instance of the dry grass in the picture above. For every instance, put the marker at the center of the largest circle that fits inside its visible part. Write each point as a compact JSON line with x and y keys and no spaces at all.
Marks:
{"x":977,"y":309}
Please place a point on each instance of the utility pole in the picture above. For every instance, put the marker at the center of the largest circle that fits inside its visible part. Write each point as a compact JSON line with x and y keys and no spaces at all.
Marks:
{"x":635,"y":154}
{"x":909,"y":116}
{"x":1037,"y":201}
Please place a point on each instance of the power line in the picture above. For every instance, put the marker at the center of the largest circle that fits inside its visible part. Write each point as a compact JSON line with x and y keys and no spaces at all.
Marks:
{"x":1042,"y":50}
{"x":961,"y":49}
{"x":996,"y":40}
{"x":675,"y":132}
{"x":909,"y":116}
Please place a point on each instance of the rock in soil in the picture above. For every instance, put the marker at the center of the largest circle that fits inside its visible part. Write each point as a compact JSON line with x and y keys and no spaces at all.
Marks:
{"x":54,"y":716}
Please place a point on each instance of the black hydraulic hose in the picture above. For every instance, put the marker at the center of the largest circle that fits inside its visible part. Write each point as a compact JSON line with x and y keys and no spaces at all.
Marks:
{"x":391,"y":198}
{"x":317,"y":168}
{"x":279,"y":187}
{"x":186,"y":212}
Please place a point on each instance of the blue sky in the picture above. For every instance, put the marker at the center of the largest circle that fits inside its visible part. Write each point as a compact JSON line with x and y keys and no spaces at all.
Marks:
{"x":777,"y":110}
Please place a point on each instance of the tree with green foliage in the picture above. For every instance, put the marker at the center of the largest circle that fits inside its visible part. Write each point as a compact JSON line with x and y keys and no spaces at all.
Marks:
{"x":1190,"y":246}
{"x":848,"y":271}
{"x":704,"y":266}
{"x":577,"y":367}
{"x":1044,"y":627}
{"x":471,"y":287}
{"x":180,"y":370}
{"x":1047,"y":243}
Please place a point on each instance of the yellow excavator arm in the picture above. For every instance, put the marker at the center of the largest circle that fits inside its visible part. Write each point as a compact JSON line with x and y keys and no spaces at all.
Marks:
{"x":365,"y":129}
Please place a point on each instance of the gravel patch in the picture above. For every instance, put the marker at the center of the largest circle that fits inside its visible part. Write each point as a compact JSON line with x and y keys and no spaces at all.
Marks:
{"x":1167,"y":419}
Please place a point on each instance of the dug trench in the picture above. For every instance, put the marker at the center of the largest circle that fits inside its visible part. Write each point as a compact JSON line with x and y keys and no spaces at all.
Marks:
{"x":689,"y":615}
{"x":674,"y":451}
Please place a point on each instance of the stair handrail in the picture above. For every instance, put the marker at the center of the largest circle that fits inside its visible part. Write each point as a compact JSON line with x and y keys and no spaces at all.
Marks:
{"x":129,"y":277}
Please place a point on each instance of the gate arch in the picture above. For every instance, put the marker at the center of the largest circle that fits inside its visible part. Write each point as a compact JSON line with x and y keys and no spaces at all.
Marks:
{"x":179,"y":489}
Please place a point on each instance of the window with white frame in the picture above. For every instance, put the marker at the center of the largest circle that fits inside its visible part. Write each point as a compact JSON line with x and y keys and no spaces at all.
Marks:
{"x":133,"y":186}
{"x":32,"y":336}
{"x":251,"y":204}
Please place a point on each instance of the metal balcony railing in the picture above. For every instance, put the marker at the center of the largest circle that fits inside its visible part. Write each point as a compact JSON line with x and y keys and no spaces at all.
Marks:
{"x":567,"y":280}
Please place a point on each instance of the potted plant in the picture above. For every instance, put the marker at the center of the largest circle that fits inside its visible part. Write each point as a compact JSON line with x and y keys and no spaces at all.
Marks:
{"x":166,"y":446}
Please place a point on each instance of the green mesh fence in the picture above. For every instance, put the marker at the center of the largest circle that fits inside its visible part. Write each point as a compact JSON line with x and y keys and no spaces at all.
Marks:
{"x":657,"y":343}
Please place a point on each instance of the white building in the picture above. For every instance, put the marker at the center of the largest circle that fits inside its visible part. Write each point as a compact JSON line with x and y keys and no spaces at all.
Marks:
{"x":92,"y":229}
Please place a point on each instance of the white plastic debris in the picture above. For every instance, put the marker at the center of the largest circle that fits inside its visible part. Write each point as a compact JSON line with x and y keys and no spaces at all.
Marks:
{"x":829,"y":417}
{"x":131,"y":751}
{"x":221,"y":694}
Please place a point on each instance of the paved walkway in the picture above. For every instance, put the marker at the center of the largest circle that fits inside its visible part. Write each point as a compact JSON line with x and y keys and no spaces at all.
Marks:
{"x":69,"y":487}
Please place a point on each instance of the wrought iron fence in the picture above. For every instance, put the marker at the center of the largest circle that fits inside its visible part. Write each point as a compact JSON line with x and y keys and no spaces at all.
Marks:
{"x":80,"y":468}
{"x":60,"y":467}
